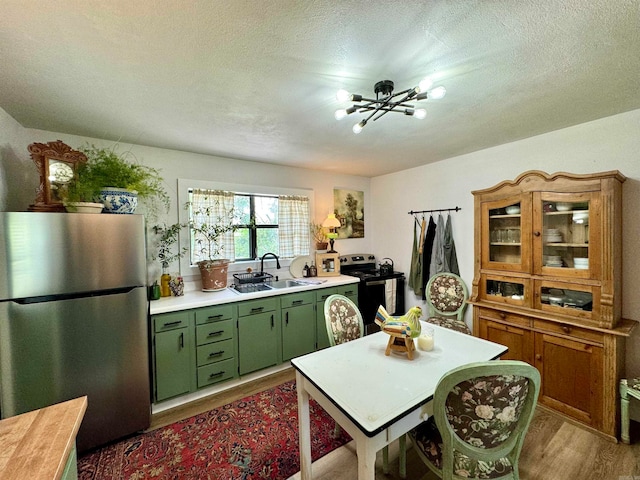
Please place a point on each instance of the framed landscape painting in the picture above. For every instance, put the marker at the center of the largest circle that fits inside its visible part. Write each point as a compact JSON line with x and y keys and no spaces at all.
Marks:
{"x":348,"y":205}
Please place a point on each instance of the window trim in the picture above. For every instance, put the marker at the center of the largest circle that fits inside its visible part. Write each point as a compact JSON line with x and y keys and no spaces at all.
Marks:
{"x":186,"y":270}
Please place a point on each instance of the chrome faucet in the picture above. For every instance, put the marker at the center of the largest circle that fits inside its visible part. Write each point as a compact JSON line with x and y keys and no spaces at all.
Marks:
{"x":266,"y":255}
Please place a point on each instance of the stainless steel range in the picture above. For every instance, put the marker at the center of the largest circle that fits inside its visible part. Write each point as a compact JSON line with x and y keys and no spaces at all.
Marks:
{"x":376,"y":288}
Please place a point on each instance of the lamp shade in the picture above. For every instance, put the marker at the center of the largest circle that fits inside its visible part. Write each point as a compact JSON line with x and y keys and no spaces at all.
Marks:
{"x":331,"y":221}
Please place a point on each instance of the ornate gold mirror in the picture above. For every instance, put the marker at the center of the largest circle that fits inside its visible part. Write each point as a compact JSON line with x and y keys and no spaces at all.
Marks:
{"x":57,"y":164}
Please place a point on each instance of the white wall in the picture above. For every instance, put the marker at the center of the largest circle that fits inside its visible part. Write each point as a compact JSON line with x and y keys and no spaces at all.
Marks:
{"x":612,"y":143}
{"x":18,"y":174}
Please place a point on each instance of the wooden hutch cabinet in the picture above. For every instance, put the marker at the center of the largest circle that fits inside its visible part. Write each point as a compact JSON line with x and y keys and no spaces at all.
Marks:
{"x":547,"y":284}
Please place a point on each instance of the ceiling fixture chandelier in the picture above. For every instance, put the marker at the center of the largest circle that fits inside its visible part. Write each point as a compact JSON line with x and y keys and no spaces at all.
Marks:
{"x":386,"y":101}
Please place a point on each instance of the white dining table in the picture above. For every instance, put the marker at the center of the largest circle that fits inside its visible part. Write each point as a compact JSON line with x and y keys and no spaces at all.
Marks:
{"x":377,"y":398}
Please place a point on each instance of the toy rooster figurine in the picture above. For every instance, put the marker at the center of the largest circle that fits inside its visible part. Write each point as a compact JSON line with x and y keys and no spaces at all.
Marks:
{"x":401,"y":330}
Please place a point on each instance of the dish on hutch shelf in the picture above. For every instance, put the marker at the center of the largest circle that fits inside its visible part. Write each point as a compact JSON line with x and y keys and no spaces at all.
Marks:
{"x":512,"y":209}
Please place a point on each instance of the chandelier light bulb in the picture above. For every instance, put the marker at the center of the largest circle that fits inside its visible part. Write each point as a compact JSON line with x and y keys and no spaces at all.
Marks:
{"x":357,"y":128}
{"x":340,"y":114}
{"x":343,"y":96}
{"x":437,"y":93}
{"x":420,"y":113}
{"x":424,"y":85}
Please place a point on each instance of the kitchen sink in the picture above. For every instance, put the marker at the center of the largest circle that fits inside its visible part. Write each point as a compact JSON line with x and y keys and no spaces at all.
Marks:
{"x":287,"y":284}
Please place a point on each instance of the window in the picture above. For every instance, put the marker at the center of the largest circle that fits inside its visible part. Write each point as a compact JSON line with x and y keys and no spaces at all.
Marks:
{"x":258,"y":233}
{"x":265,"y":223}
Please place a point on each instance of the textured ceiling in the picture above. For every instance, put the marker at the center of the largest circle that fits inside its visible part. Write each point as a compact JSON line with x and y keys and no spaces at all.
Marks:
{"x":256,"y":80}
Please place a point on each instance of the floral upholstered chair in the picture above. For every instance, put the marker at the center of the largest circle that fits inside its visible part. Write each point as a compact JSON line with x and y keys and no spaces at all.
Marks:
{"x":343,"y":319}
{"x":344,"y":323}
{"x":481,"y":415}
{"x":628,"y":389}
{"x":447,"y":296}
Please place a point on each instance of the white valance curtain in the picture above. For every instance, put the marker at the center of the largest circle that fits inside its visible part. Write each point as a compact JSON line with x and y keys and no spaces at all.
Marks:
{"x":215,"y":207}
{"x":293,"y":225}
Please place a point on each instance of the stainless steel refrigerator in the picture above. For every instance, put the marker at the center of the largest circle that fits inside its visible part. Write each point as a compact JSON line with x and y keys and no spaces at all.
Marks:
{"x":73,"y":319}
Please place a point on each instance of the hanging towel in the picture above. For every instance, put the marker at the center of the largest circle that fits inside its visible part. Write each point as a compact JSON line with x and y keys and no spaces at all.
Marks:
{"x":415,"y":273}
{"x":450,"y":257}
{"x":390,"y":294}
{"x":426,"y":254}
{"x":437,"y":255}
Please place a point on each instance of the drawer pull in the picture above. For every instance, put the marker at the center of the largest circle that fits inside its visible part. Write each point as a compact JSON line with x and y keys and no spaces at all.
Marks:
{"x":257,"y":309}
{"x":215,"y":354}
{"x":502,"y":315}
{"x":171,"y":324}
{"x":217,"y":332}
{"x":182,"y":340}
{"x":348,"y":292}
{"x":214,"y":317}
{"x":272,"y":322}
{"x":536,"y":234}
{"x":538,"y":357}
{"x":566,"y":329}
{"x":217,"y":374}
{"x":296,"y":302}
{"x":287,"y":318}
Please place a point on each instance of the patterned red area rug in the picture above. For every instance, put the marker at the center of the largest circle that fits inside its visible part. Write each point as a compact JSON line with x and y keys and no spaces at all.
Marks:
{"x":253,"y":438}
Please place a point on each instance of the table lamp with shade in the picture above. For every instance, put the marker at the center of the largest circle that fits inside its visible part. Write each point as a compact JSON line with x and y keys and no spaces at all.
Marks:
{"x":331,"y":222}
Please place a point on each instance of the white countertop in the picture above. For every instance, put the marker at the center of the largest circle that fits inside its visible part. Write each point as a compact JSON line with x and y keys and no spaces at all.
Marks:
{"x":197,"y":298}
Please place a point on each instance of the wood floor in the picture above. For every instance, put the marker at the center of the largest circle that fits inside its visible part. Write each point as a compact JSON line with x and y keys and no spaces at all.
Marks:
{"x":554,"y":449}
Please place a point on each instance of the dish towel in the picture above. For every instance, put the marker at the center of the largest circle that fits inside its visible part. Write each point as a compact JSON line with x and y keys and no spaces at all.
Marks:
{"x":390,"y":294}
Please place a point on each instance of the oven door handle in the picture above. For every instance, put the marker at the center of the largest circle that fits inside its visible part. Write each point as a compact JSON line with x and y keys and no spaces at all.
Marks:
{"x":374,"y":282}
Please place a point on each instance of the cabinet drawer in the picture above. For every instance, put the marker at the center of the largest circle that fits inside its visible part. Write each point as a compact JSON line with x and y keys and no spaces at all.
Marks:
{"x":213,"y":314}
{"x":215,"y":331}
{"x":216,"y":372}
{"x":253,"y":307}
{"x":565,"y":329}
{"x":322,"y":295}
{"x":169,"y":321}
{"x":501,"y":316}
{"x":297,"y":299}
{"x":350,"y":290}
{"x":214,"y":352}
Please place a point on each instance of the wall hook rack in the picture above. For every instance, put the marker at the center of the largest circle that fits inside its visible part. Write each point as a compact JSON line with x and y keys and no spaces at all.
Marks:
{"x":454,"y":209}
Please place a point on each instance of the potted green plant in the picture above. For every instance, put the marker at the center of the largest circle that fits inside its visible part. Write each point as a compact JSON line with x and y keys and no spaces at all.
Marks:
{"x":207,"y":228}
{"x":319,"y":235}
{"x":167,"y":237}
{"x":118,"y":181}
{"x":80,"y":195}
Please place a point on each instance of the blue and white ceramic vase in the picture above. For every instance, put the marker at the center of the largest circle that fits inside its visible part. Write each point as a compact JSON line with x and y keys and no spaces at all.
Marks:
{"x":119,"y":200}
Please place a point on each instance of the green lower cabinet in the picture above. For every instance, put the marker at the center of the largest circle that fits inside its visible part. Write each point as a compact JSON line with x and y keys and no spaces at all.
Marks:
{"x":258,"y":334}
{"x":197,"y":348}
{"x":216,"y":345}
{"x":173,"y":363}
{"x":298,"y":325}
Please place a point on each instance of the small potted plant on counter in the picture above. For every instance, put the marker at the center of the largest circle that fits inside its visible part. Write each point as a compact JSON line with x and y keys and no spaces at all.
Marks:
{"x":167,"y":237}
{"x":208,"y":227}
{"x":319,"y":236}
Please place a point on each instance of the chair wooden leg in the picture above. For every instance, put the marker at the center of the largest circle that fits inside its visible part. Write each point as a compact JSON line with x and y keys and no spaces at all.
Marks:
{"x":624,"y":413}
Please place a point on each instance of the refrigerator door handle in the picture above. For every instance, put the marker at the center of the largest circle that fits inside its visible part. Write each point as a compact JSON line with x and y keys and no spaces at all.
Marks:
{"x":72,"y":296}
